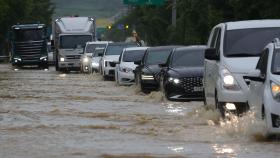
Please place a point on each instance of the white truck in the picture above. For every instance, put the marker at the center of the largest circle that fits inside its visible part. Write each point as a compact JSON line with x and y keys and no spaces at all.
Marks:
{"x":70,"y":37}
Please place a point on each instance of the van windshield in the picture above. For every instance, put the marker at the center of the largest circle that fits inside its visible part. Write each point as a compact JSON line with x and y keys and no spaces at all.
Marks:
{"x":275,"y":68}
{"x":90,"y":48}
{"x":248,"y":42}
{"x":188,"y":58}
{"x":157,"y":57}
{"x":74,"y":41}
{"x":133,"y":55}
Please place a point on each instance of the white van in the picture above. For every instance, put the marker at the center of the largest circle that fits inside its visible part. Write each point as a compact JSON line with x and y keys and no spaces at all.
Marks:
{"x":233,"y":51}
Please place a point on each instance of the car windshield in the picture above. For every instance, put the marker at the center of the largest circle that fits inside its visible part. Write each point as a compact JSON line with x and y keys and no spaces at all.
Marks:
{"x":29,"y":35}
{"x":90,"y":48}
{"x":133,"y":55}
{"x":248,"y":42}
{"x":275,"y":68}
{"x":96,"y":52}
{"x":74,"y":41}
{"x":157,"y":57}
{"x":116,"y":49}
{"x":188,"y":58}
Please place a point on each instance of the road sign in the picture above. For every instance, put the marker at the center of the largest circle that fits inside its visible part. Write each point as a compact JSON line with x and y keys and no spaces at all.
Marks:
{"x":144,"y":2}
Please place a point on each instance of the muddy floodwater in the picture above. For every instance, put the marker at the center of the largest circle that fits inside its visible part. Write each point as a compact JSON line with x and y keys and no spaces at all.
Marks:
{"x":47,"y":114}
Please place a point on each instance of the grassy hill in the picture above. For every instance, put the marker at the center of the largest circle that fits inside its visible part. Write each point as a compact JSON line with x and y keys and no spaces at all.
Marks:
{"x":103,"y":10}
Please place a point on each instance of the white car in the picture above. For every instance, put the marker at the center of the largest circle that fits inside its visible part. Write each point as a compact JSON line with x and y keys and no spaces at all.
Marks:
{"x":86,"y":58}
{"x":264,"y":91}
{"x":110,"y":57}
{"x":124,"y":69}
{"x":233,"y":51}
{"x":96,"y":57}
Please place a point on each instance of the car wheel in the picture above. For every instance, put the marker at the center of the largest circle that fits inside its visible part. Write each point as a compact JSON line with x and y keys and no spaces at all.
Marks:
{"x":220,"y":106}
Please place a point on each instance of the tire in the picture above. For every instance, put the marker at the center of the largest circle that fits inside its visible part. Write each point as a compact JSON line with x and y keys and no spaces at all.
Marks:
{"x":220,"y":106}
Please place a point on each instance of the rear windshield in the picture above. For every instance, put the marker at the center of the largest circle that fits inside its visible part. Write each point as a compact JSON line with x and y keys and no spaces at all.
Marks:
{"x":117,"y":49}
{"x":91,"y":47}
{"x":275,"y":68}
{"x":248,"y":42}
{"x":188,"y":58}
{"x":157,"y":57}
{"x":133,"y":55}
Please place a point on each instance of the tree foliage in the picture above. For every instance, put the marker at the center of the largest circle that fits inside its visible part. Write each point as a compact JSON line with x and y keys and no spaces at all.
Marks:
{"x":195,"y":18}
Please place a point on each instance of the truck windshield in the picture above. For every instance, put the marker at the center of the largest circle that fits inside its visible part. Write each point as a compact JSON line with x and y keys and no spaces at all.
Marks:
{"x":275,"y":68}
{"x":248,"y":42}
{"x":117,"y":49}
{"x":74,"y":41}
{"x":28,"y":35}
{"x":133,"y":55}
{"x":90,"y":48}
{"x":157,"y":57}
{"x":188,"y":58}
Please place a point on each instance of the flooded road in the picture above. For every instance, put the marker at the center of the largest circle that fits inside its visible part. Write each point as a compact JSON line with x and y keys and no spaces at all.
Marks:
{"x":50,"y":114}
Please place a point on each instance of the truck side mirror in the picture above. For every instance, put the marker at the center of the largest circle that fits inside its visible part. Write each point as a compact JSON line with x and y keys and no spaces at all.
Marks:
{"x":211,"y":54}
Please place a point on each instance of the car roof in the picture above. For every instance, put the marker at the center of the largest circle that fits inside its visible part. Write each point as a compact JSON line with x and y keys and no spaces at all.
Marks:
{"x":252,"y":24}
{"x":121,"y":43}
{"x":191,"y":47}
{"x":99,"y":42}
{"x":157,"y":48}
{"x":136,"y":48}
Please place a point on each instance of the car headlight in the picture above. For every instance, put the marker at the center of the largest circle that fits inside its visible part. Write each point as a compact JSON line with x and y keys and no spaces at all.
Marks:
{"x":44,"y":58}
{"x":95,"y":64}
{"x":126,"y":69}
{"x":275,"y":90}
{"x":85,"y":59}
{"x":228,"y":80}
{"x":174,"y":80}
{"x":17,"y":59}
{"x":62,"y":59}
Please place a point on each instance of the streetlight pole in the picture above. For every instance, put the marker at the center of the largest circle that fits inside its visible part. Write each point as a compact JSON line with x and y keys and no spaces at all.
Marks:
{"x":174,"y":12}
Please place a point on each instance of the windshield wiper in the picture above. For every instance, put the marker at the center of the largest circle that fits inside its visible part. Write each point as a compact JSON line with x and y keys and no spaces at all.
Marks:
{"x":242,"y":55}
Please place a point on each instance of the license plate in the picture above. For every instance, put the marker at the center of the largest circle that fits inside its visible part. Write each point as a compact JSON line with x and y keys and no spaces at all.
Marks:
{"x":198,"y":89}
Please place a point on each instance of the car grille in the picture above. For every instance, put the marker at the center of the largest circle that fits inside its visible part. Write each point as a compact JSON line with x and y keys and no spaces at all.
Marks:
{"x":73,"y":57}
{"x":29,"y":50}
{"x":189,"y":84}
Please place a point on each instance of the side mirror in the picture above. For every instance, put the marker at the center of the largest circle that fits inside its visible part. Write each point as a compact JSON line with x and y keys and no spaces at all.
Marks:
{"x":137,"y":62}
{"x":211,"y":54}
{"x":100,"y":54}
{"x":255,"y":75}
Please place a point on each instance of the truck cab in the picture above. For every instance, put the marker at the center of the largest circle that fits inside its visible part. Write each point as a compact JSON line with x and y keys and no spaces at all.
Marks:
{"x":29,"y":45}
{"x":70,"y":37}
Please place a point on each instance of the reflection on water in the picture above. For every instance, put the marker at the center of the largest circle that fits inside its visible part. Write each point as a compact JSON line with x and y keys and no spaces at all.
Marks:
{"x":62,"y":75}
{"x":224,"y":150}
{"x":177,"y":149}
{"x":174,"y":109}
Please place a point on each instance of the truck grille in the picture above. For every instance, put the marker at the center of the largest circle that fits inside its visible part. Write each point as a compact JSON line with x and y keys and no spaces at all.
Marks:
{"x":192,"y":85}
{"x":73,"y":57}
{"x":29,"y":50}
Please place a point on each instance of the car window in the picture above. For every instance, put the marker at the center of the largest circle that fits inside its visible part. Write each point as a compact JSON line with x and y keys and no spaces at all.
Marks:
{"x":188,"y":58}
{"x":97,"y":51}
{"x":275,"y":67}
{"x":133,"y":55}
{"x":117,"y":49}
{"x":214,"y":37}
{"x":155,"y":57}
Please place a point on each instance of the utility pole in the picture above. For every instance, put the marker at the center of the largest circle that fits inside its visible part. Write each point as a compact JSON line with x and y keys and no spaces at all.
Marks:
{"x":174,"y":12}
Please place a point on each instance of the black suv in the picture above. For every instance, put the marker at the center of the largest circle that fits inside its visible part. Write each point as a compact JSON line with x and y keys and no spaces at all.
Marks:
{"x":148,"y":67}
{"x":181,"y":77}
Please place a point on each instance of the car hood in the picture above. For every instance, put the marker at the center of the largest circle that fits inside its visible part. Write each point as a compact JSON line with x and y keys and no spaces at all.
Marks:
{"x":186,"y":72}
{"x":241,"y":65}
{"x":111,"y":57}
{"x":128,"y":65}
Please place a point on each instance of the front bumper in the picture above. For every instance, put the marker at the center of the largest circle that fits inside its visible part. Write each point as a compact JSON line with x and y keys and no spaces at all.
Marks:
{"x":125,"y":78}
{"x":22,"y":62}
{"x":69,"y":64}
{"x":272,"y":114}
{"x":181,"y":92}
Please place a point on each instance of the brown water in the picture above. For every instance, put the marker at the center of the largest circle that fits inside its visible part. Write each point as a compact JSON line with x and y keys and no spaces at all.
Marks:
{"x":49,"y":114}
